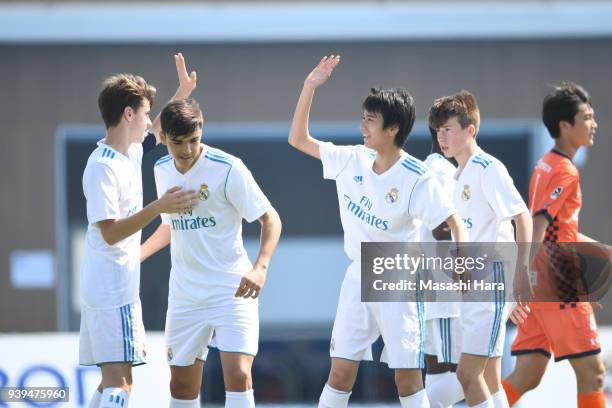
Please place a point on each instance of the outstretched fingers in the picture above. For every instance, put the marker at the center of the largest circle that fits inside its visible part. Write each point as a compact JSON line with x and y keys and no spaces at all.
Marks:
{"x":179,"y":61}
{"x":328,"y":63}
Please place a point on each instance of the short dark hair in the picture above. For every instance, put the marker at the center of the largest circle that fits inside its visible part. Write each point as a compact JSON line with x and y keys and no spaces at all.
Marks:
{"x":462,"y":105}
{"x":120,"y":91}
{"x":181,"y":118}
{"x":562,"y":104}
{"x":396,"y":106}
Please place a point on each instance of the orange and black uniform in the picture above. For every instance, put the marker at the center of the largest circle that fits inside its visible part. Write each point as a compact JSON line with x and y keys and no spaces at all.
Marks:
{"x":562,"y":324}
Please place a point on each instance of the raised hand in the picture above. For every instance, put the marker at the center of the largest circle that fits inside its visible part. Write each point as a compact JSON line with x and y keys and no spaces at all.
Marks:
{"x":187,"y":82}
{"x":323,"y":71}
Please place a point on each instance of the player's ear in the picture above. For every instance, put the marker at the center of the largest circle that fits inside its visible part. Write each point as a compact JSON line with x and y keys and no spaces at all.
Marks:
{"x":128,"y":113}
{"x":471,"y":130}
{"x":564,"y":126}
{"x":162,"y":137}
{"x":393,"y":130}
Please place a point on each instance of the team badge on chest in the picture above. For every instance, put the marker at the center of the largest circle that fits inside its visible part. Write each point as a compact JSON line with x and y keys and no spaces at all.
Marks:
{"x":556,"y":193}
{"x":392,"y":195}
{"x":466,"y":193}
{"x":204,"y":193}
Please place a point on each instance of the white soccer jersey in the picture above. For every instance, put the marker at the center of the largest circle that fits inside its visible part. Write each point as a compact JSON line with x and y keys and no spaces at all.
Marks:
{"x":386,"y":207}
{"x":208,"y":256}
{"x":486,"y":199}
{"x":445,"y":174}
{"x":112,"y":184}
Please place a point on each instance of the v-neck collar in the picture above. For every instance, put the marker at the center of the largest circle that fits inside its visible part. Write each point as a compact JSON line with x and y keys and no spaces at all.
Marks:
{"x":459,"y":171}
{"x":390,"y":170}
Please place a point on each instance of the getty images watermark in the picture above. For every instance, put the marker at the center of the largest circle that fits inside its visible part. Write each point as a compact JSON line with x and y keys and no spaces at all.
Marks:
{"x":483,"y":272}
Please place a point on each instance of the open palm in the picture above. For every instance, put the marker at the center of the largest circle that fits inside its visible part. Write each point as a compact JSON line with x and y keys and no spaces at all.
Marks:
{"x":323,"y":71}
{"x":187,"y":82}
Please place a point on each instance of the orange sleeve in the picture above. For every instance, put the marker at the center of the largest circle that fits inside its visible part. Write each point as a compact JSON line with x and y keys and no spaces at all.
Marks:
{"x":549,"y":198}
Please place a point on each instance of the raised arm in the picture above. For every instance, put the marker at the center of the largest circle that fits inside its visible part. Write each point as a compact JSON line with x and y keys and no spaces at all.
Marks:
{"x":187,"y":83}
{"x":299,"y":136}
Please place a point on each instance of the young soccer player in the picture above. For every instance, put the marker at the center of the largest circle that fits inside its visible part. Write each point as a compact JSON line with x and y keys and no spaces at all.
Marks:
{"x":567,"y":330}
{"x":213,"y":285}
{"x":442,"y":327}
{"x":487,"y":201}
{"x":112,"y":334}
{"x":383,"y":193}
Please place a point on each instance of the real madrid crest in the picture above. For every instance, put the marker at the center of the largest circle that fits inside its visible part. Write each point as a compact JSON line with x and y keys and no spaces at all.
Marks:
{"x":204,"y":193}
{"x":169,"y":354}
{"x":391,"y":196}
{"x":332,"y":344}
{"x":466,"y":193}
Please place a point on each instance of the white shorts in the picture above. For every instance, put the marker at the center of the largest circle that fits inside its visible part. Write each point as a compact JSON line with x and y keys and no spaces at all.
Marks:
{"x":112,"y":335}
{"x":358,"y":325}
{"x":190,"y":330}
{"x":443,"y":339}
{"x":484,"y":323}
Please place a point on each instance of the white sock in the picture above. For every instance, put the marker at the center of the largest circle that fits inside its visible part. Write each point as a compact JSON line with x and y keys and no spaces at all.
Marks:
{"x":416,"y":400}
{"x":486,"y":404}
{"x":95,"y":400}
{"x":332,"y":398}
{"x":244,"y":399}
{"x":114,"y":398}
{"x":499,"y":399}
{"x":179,"y":403}
{"x":445,"y":392}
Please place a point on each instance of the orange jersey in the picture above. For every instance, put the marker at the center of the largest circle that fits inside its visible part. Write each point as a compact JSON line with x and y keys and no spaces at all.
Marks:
{"x":554,"y":191}
{"x":562,"y":324}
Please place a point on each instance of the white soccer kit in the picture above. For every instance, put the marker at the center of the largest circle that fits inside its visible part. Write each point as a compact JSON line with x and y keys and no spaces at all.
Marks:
{"x":386,"y":207}
{"x":208,"y":257}
{"x":111,"y":322}
{"x":445,"y":174}
{"x":442,"y":327}
{"x":486,"y":199}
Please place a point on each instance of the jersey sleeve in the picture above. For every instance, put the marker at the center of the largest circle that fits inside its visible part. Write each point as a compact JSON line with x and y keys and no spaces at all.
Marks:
{"x":500,"y":192}
{"x":244,"y":194}
{"x":161,"y":190}
{"x":428,"y":202}
{"x":101,"y":189}
{"x":444,"y":172}
{"x":561,"y":185}
{"x":334,"y":159}
{"x":446,"y":180}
